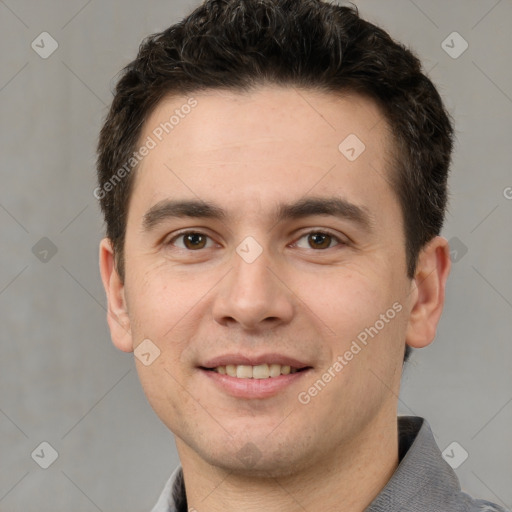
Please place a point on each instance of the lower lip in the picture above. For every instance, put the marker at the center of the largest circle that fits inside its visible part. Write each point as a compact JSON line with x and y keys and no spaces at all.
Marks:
{"x":253,"y":388}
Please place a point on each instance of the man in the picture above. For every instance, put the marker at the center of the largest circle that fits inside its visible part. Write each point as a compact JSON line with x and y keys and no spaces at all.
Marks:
{"x":273,"y":179}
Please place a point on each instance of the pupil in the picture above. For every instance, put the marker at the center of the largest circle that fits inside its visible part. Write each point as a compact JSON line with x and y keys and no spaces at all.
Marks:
{"x":194,"y":239}
{"x":319,"y":239}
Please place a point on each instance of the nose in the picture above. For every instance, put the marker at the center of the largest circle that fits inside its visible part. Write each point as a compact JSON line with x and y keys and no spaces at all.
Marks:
{"x":253,"y":296}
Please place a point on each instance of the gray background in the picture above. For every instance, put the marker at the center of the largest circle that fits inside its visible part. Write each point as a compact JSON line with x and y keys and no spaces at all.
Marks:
{"x":62,"y":381}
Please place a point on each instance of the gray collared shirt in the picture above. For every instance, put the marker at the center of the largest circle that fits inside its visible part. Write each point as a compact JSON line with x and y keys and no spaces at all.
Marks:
{"x":422,"y":482}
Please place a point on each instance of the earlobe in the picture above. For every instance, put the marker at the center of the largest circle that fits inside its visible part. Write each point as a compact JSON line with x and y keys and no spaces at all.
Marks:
{"x":117,"y":312}
{"x":430,"y":282}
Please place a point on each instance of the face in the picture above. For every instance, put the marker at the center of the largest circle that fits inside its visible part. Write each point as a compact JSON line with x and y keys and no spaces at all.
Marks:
{"x":263,"y":235}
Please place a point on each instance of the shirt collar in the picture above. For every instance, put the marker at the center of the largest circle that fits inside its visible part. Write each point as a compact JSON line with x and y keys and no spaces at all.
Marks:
{"x":422,"y":482}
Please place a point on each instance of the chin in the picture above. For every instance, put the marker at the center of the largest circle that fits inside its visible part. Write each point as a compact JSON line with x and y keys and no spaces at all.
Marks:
{"x":259,"y":456}
{"x":265,"y":467}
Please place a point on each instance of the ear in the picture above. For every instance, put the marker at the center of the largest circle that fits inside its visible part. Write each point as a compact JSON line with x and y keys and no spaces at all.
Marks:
{"x":429,"y":290}
{"x":117,"y":311}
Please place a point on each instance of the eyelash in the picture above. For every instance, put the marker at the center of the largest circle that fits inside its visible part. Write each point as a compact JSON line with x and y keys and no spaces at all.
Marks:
{"x":311,"y":232}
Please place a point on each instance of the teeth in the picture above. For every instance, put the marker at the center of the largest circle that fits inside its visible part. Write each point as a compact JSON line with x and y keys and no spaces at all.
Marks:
{"x":243,"y":371}
{"x":275,"y":370}
{"x":260,"y":371}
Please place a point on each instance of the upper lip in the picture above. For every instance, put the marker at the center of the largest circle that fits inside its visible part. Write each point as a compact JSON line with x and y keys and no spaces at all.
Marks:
{"x":254,"y":360}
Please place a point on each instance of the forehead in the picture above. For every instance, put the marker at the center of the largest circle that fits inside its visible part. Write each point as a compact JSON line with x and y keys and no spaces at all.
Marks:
{"x":223,"y":119}
{"x":263,"y":145}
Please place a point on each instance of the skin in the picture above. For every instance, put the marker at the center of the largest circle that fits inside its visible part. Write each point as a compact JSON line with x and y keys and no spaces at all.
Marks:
{"x":246,"y":153}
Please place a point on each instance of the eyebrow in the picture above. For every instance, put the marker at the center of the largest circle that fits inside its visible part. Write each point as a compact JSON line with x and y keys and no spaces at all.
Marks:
{"x":306,"y":207}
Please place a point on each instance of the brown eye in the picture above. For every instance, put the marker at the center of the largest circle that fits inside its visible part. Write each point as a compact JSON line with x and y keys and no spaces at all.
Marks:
{"x":191,"y":240}
{"x":194,"y":240}
{"x":319,"y":240}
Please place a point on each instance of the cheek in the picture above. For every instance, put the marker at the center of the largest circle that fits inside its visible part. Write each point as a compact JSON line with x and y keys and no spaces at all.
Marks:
{"x":162,"y":385}
{"x":162,"y":299}
{"x":363,"y":316}
{"x":345,"y":298}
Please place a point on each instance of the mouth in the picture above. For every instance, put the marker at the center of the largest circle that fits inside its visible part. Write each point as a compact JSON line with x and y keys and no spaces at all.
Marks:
{"x":260,"y":371}
{"x":254,"y":377}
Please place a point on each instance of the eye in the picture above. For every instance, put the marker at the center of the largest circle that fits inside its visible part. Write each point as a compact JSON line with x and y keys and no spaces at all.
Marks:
{"x":194,"y":241}
{"x":319,"y":240}
{"x":191,"y":240}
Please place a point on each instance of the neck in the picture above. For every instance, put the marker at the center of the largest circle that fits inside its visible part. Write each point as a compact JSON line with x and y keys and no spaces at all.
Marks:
{"x":347,"y":481}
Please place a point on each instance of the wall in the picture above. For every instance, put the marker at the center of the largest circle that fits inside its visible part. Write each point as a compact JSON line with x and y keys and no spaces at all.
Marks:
{"x":61,"y":380}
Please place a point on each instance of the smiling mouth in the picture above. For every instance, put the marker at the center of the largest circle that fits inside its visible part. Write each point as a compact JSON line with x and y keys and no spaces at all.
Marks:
{"x":260,"y":371}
